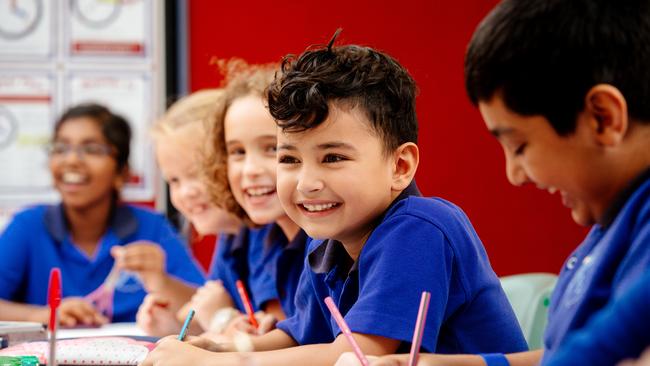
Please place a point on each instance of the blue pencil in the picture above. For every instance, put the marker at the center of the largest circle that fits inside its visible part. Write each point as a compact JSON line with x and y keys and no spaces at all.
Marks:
{"x":186,"y":325}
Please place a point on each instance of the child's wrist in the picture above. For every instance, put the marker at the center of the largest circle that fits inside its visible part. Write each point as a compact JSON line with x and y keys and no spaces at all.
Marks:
{"x":495,"y":359}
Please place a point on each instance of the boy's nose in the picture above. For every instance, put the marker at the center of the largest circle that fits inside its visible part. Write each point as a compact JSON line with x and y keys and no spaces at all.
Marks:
{"x":515,"y":173}
{"x":309,"y":184}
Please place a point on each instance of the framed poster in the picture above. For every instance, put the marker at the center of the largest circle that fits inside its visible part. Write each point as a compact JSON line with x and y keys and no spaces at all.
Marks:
{"x":127,"y":94}
{"x":27,"y":29}
{"x":104,"y":28}
{"x":26,"y":115}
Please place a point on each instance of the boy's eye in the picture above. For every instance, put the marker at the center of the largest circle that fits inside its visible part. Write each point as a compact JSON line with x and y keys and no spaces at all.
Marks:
{"x":287,"y":159}
{"x":173,"y":181}
{"x":520,"y":150}
{"x":271,"y":149}
{"x":334,"y":158}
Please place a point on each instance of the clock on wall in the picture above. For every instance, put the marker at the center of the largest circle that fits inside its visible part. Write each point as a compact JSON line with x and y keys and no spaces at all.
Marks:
{"x":96,"y":13}
{"x":19,"y":18}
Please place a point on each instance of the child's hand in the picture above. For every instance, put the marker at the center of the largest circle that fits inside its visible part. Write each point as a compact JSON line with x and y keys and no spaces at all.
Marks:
{"x":241,"y":323}
{"x":170,"y":351}
{"x":155,"y":318}
{"x":207,"y":300}
{"x":350,"y":359}
{"x":75,"y":311}
{"x":145,"y":258}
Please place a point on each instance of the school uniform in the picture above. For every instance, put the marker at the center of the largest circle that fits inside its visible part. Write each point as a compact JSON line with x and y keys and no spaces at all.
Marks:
{"x":420,"y":244}
{"x":617,"y":332}
{"x":614,"y":254}
{"x":264,"y":260}
{"x":38,"y":239}
{"x":230,"y":263}
{"x":276,"y":268}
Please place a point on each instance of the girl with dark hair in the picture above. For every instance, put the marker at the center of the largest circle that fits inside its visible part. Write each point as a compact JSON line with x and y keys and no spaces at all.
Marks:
{"x":90,"y":233}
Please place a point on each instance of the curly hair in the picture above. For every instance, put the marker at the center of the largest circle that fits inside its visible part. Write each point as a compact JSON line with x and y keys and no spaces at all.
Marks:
{"x":240,"y":80}
{"x":300,"y":96}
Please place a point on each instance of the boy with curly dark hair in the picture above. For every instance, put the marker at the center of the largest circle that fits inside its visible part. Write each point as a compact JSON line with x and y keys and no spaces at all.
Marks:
{"x":347,"y":156}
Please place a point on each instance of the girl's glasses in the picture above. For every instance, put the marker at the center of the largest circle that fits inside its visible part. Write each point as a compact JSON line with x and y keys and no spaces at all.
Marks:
{"x":91,"y":149}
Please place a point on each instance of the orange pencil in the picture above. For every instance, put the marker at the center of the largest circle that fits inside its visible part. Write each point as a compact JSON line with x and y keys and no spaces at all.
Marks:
{"x":247,"y":303}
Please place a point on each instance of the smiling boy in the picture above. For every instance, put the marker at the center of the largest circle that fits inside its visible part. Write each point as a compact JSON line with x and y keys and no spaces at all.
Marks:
{"x":347,"y":156}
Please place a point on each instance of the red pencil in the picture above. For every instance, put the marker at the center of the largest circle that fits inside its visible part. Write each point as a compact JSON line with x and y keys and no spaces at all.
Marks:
{"x":247,"y":303}
{"x":53,"y":299}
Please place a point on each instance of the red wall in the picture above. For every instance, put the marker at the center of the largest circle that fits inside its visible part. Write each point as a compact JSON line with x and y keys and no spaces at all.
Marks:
{"x":523,"y":229}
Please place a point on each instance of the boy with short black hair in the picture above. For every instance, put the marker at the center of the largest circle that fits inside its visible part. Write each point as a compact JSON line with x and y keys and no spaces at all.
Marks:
{"x":347,"y":156}
{"x":564,"y":85}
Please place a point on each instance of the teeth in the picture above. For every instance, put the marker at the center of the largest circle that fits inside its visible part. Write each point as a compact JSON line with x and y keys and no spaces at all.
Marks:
{"x":319,"y":207}
{"x":73,"y":178}
{"x":259,"y":191}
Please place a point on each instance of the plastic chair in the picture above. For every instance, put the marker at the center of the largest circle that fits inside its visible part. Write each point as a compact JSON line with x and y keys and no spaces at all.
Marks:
{"x":529,"y":294}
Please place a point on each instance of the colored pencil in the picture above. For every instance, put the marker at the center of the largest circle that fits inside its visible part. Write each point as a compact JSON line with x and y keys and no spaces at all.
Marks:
{"x":346,"y":330}
{"x":419,"y":328}
{"x":247,"y":303}
{"x":186,"y":325}
{"x":54,"y":300}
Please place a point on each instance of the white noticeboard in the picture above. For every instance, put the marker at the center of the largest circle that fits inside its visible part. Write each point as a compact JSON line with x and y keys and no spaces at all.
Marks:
{"x":57,"y":53}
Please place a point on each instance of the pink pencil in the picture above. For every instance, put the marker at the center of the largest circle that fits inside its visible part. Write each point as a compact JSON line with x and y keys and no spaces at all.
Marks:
{"x":346,"y":330}
{"x":419,"y":328}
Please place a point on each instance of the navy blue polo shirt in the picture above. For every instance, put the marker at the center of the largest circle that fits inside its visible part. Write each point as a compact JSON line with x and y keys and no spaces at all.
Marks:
{"x":269,"y":266}
{"x":230,"y":263}
{"x":617,"y":332}
{"x":614,"y":254}
{"x":421,"y":244}
{"x":37,"y":239}
{"x":276,"y":267}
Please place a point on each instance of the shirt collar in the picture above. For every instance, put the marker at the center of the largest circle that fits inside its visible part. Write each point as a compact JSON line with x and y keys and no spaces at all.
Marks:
{"x":240,"y":241}
{"x":622,"y":198}
{"x":331,"y":253}
{"x":276,"y":234}
{"x":123,"y":221}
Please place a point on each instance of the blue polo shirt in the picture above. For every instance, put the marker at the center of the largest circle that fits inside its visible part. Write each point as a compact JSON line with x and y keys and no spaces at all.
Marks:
{"x":421,"y":244}
{"x":230,"y":263}
{"x":617,"y":332}
{"x":37,"y":239}
{"x":276,"y":267}
{"x":262,"y":258}
{"x":614,"y":254}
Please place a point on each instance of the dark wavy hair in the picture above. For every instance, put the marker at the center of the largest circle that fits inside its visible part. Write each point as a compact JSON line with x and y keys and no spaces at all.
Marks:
{"x":300,"y":96}
{"x":114,"y":127}
{"x":543,"y":56}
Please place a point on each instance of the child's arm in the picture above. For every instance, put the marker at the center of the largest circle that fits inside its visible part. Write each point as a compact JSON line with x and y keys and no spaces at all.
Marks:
{"x":147,"y":259}
{"x":530,"y":358}
{"x":72,"y":311}
{"x":173,"y":352}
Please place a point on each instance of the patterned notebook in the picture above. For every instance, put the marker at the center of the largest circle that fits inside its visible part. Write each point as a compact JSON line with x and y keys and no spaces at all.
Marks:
{"x":86,"y":351}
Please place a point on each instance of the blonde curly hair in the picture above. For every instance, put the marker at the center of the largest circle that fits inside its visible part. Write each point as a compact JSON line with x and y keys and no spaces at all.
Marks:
{"x":241,"y":79}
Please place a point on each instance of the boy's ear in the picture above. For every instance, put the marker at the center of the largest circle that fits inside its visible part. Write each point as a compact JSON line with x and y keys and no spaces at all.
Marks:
{"x":406,"y":158}
{"x":606,"y":110}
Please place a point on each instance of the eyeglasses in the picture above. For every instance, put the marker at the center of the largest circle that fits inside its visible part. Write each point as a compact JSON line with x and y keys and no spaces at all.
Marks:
{"x":92,"y":150}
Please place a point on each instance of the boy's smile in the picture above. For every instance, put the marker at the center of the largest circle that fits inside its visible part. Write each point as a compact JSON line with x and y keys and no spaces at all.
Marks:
{"x":335,"y":180}
{"x":535,"y":153}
